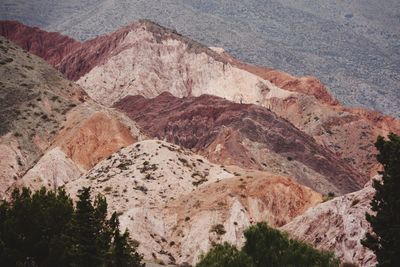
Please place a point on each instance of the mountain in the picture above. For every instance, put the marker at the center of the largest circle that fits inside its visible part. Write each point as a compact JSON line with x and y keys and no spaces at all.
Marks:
{"x":34,"y":101}
{"x":174,"y":201}
{"x":90,"y":134}
{"x":244,"y":135}
{"x":51,"y":131}
{"x":146,"y":59}
{"x":352,"y":46}
{"x":338,"y":225}
{"x":237,"y":143}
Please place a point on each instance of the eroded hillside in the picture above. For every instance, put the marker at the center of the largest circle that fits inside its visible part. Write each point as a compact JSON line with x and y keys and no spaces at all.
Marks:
{"x":146,"y":59}
{"x":245,"y":135}
{"x":177,"y":203}
{"x":34,"y":101}
{"x":338,"y":225}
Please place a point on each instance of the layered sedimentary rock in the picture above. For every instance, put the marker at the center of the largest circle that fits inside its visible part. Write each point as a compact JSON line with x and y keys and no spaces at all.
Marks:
{"x":51,"y":46}
{"x":246,"y":135}
{"x":338,"y":225}
{"x":146,"y":59}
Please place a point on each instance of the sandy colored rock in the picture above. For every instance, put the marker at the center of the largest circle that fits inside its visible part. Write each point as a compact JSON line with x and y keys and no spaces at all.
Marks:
{"x":170,"y":198}
{"x":338,"y":225}
{"x":53,"y":170}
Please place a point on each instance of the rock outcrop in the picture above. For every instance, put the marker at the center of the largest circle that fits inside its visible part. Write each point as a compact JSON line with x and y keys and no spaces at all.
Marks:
{"x":338,"y":225}
{"x":51,"y":132}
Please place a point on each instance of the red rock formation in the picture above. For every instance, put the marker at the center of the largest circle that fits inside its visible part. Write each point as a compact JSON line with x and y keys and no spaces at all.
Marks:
{"x":51,"y":46}
{"x":75,"y":59}
{"x":246,"y":135}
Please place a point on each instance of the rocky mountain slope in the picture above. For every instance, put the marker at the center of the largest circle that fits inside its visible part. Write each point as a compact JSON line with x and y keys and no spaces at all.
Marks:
{"x":245,"y":135}
{"x":177,"y":204}
{"x":147,"y":59}
{"x":348,"y":132}
{"x":50,"y":46}
{"x":51,"y":132}
{"x":351,"y":45}
{"x":34,"y":100}
{"x":90,"y":134}
{"x":338,"y":225}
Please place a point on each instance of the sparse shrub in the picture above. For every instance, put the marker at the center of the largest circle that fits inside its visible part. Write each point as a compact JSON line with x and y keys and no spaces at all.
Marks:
{"x":184,"y":161}
{"x":355,"y":202}
{"x":107,"y":189}
{"x":17,"y":134}
{"x":219,"y":229}
{"x":199,"y":182}
{"x":141,"y":188}
{"x":329,"y":196}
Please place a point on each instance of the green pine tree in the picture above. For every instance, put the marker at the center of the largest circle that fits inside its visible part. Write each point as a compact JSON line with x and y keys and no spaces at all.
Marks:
{"x":123,"y":249}
{"x":86,"y":230}
{"x":44,"y":229}
{"x":30,"y":225}
{"x":385,"y":239}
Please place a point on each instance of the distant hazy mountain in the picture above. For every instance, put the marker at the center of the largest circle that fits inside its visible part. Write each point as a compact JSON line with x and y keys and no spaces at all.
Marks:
{"x":352,"y":46}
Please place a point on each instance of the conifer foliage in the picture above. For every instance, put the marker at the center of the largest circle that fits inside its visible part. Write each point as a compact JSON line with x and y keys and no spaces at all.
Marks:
{"x":46,"y":229}
{"x":267,"y":247}
{"x":385,"y":239}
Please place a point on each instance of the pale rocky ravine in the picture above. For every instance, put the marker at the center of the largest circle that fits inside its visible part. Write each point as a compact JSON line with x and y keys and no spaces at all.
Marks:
{"x":53,"y":170}
{"x":172,"y":200}
{"x":338,"y":225}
